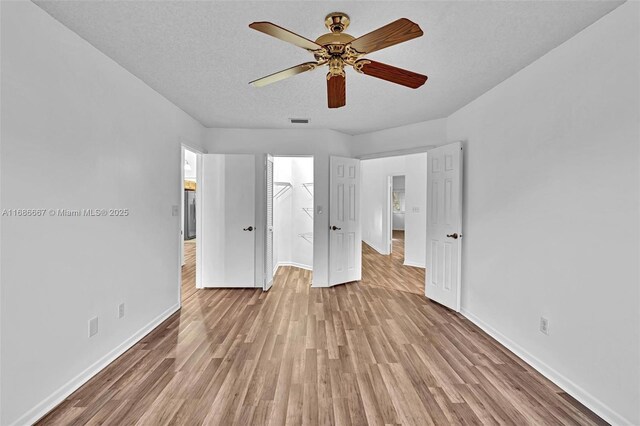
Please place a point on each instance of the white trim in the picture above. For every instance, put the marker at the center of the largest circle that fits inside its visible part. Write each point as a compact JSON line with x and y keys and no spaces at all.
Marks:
{"x":373,"y":246}
{"x":294,"y":264}
{"x":396,"y":153}
{"x":49,"y":403}
{"x":199,"y":214}
{"x":414,"y":264}
{"x":560,"y":380}
{"x":184,"y":145}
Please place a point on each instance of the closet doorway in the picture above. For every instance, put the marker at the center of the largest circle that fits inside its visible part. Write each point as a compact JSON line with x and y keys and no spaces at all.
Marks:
{"x":289,"y":215}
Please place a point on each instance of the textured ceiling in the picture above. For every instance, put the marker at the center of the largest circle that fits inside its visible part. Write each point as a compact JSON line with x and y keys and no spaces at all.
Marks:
{"x":201,"y":55}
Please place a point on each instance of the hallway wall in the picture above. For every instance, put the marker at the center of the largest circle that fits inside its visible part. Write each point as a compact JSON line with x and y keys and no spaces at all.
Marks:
{"x":80,"y":132}
{"x":375,"y":205}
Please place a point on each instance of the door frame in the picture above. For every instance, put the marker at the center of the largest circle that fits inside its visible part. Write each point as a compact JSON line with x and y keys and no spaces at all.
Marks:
{"x":263,"y":206}
{"x":265,"y":273}
{"x":185,"y":145}
{"x":390,"y":210}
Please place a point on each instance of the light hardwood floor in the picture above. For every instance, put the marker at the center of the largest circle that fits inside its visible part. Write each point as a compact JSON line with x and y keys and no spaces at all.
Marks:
{"x":353,"y":354}
{"x":389,"y":271}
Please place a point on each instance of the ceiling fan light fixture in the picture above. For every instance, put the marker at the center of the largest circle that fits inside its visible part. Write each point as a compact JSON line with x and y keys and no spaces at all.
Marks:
{"x":338,"y":50}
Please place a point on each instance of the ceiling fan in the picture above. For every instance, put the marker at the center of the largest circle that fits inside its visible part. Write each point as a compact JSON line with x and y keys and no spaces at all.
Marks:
{"x":338,"y":49}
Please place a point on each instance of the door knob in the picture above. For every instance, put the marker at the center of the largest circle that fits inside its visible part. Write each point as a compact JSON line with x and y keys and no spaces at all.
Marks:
{"x":334,"y":228}
{"x":248,"y":229}
{"x":454,"y":235}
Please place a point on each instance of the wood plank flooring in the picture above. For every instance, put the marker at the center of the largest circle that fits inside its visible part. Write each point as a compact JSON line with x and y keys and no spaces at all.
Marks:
{"x":349,"y":355}
{"x":389,"y":271}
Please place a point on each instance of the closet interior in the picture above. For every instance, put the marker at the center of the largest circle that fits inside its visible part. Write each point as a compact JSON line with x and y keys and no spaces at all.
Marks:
{"x":293,"y":212}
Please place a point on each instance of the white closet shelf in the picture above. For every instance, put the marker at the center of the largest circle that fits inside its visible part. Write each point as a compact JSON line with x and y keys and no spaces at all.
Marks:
{"x":307,"y":236}
{"x":309,"y":187}
{"x":284,"y":187}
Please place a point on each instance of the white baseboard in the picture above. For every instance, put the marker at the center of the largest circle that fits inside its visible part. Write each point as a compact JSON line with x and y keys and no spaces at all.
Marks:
{"x":561,"y":381}
{"x":37,"y":412}
{"x":414,"y":264}
{"x":373,"y":246}
{"x":294,"y":264}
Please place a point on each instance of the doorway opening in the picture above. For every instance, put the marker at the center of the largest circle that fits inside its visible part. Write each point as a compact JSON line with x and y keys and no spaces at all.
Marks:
{"x":293,"y":213}
{"x":397,"y":214}
{"x":394,"y":219}
{"x":189,"y":218}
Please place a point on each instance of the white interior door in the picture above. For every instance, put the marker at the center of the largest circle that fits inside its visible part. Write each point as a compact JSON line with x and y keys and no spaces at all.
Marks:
{"x":444,"y":225}
{"x":228,"y":220}
{"x":268,"y":261}
{"x":345,"y":244}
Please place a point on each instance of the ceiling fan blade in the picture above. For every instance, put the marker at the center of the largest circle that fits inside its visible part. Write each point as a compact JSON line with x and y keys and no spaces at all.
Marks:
{"x":336,"y":91}
{"x":390,"y":73}
{"x":285,"y":35}
{"x":396,"y":32}
{"x":281,"y":75}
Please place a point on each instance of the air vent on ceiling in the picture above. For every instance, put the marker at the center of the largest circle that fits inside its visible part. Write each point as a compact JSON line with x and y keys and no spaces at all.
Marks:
{"x":299,"y":120}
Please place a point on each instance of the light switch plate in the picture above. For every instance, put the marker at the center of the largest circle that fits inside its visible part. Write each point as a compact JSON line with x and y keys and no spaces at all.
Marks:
{"x":174,"y":211}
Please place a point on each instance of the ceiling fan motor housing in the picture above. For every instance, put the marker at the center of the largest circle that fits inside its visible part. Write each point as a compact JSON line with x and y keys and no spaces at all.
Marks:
{"x":337,"y":22}
{"x":337,"y":53}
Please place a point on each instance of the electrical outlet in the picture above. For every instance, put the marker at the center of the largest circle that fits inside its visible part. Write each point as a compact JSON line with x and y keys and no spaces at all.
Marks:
{"x":121,"y":310}
{"x":93,"y":326}
{"x":544,"y":325}
{"x":416,"y":209}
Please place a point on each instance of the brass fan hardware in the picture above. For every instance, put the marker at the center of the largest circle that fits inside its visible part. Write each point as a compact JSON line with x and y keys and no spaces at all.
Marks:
{"x":338,"y":50}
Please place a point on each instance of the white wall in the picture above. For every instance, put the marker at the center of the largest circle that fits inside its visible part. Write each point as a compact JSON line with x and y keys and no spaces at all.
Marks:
{"x":78,"y":131}
{"x":400,"y":140}
{"x":375,"y":204}
{"x":301,"y":223}
{"x":319,"y":143}
{"x":289,"y":219}
{"x":282,"y":210}
{"x":398,"y":214}
{"x":551,"y":212}
{"x":191,"y":157}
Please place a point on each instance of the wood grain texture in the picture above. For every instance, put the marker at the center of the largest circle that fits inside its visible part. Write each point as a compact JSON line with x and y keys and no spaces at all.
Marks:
{"x":393,"y":74}
{"x":354,"y":354}
{"x":390,"y":271}
{"x":391,"y":34}
{"x":336,"y":91}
